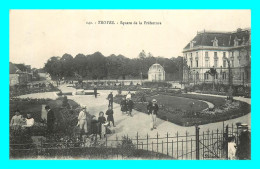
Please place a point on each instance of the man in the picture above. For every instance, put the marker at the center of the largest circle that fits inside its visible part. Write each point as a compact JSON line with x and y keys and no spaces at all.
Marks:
{"x":130,"y":105}
{"x":110,"y":116}
{"x":50,"y":119}
{"x":110,"y":100}
{"x":153,"y":111}
{"x":95,"y":91}
{"x":82,"y":121}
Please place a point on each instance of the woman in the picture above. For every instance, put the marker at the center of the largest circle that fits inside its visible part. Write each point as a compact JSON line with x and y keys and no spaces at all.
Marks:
{"x":82,"y":120}
{"x":102,"y":121}
{"x":123,"y":105}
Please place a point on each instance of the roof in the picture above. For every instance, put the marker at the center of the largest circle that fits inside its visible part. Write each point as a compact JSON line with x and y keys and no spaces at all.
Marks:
{"x":225,"y":39}
{"x":13,"y":69}
{"x":156,"y":67}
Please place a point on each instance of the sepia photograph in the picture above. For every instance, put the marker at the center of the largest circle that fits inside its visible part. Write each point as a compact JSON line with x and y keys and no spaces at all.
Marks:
{"x":130,"y":84}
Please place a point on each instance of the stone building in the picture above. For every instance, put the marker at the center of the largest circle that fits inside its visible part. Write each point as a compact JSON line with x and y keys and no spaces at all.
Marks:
{"x":215,"y":50}
{"x":156,"y":73}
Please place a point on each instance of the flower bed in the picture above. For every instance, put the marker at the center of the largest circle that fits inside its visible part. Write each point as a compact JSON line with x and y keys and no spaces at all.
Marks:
{"x":224,"y":110}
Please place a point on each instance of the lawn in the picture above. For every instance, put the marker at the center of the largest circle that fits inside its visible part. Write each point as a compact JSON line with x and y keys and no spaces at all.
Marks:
{"x":180,"y":102}
{"x":176,"y":108}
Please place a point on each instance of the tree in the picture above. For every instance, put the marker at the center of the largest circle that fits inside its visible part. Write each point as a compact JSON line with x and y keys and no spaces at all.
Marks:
{"x":67,"y":65}
{"x":54,"y":68}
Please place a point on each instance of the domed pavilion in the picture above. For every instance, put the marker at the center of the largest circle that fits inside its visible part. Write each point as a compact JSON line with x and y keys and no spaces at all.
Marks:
{"x":156,"y":73}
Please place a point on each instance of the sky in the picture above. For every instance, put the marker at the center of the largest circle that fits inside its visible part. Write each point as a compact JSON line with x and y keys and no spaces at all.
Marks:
{"x":37,"y":35}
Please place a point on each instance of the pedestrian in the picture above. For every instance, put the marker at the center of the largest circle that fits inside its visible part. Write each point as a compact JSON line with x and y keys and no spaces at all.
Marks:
{"x":110,"y":99}
{"x":123,"y":105}
{"x":232,"y":148}
{"x":29,"y":122}
{"x":50,"y":119}
{"x":110,"y":117}
{"x":95,"y":91}
{"x":16,"y":120}
{"x":128,"y":96}
{"x":130,"y":105}
{"x":102,"y":121}
{"x":153,"y":111}
{"x":82,"y":121}
{"x":94,"y":126}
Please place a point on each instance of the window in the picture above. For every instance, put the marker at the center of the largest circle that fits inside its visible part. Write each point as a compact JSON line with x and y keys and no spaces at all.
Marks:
{"x":215,"y":42}
{"x":215,"y":54}
{"x":215,"y":63}
{"x":206,"y":63}
{"x":224,"y":75}
{"x":216,"y":76}
{"x":206,"y":76}
{"x":197,"y":76}
{"x":190,"y":63}
{"x":197,"y":54}
{"x":232,"y":62}
{"x":206,"y":54}
{"x":224,"y":54}
{"x":197,"y":63}
{"x":224,"y":63}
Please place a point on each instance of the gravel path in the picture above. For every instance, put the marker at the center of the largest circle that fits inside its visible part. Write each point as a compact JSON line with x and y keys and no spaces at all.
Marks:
{"x":126,"y":125}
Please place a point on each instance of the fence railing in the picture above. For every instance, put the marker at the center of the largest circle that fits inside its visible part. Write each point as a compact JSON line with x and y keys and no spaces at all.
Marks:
{"x":198,"y":145}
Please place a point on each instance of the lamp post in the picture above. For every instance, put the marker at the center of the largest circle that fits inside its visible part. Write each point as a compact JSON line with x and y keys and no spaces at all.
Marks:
{"x":194,"y":76}
{"x":141,"y":78}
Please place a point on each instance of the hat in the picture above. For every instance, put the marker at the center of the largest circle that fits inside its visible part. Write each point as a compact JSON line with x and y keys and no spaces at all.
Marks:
{"x":47,"y":107}
{"x":83,"y":107}
{"x":154,"y":100}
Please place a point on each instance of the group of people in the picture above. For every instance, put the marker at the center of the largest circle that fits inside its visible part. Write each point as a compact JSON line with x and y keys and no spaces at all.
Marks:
{"x":88,"y":124}
{"x":127,"y":105}
{"x":20,"y":122}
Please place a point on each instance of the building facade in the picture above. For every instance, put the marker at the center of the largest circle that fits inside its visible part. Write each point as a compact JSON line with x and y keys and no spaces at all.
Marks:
{"x":229,"y":53}
{"x":156,"y":73}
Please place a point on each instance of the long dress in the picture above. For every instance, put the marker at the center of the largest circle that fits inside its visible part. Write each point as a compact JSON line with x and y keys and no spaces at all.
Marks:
{"x":102,"y":128}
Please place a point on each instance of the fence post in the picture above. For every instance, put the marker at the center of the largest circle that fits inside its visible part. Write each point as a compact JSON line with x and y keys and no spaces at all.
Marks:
{"x":147,"y":141}
{"x":197,"y":142}
{"x":157,"y":141}
{"x":226,"y":142}
{"x":186,"y":145}
{"x":177,"y":145}
{"x":167,"y":144}
{"x":137,"y":140}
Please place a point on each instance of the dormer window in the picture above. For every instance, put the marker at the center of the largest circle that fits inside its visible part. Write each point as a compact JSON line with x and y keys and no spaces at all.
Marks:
{"x":244,"y":41}
{"x":215,"y":42}
{"x":192,"y":44}
{"x":236,"y":40}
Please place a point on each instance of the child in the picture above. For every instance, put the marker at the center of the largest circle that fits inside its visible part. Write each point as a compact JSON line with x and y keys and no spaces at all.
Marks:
{"x":110,"y":117}
{"x":102,"y":128}
{"x":232,"y":148}
{"x":94,"y":127}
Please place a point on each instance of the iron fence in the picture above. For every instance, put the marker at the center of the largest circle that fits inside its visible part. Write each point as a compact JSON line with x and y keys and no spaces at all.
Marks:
{"x":198,"y":145}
